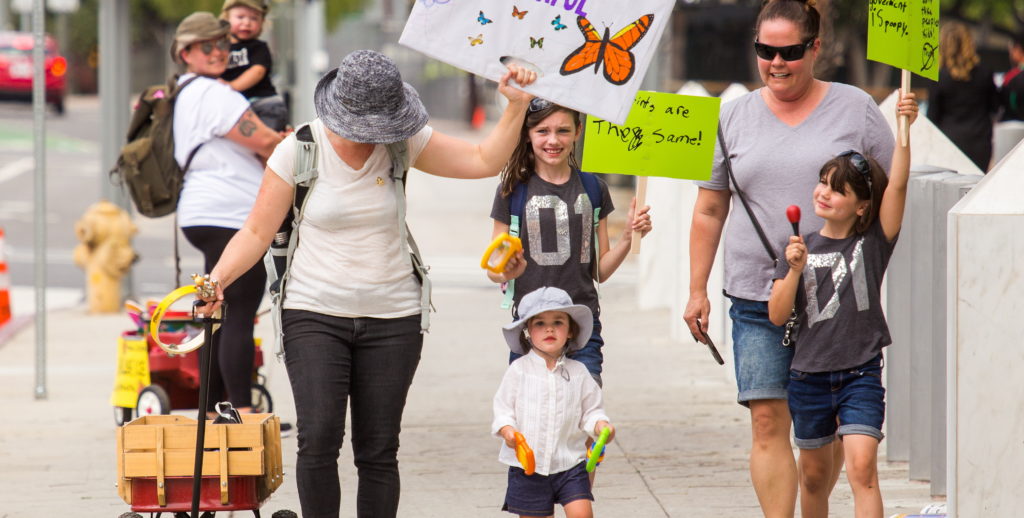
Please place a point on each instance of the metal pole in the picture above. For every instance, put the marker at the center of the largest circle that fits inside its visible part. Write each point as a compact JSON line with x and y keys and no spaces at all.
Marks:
{"x":114,"y":25}
{"x":309,"y":42}
{"x":5,"y":16}
{"x":39,"y":143}
{"x":114,"y":62}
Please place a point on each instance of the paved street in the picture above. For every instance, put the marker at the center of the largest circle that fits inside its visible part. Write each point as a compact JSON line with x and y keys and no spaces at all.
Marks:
{"x":681,"y":443}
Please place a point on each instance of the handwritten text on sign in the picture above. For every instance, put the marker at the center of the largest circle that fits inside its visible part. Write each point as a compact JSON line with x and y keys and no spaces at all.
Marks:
{"x":905,"y":34}
{"x":132,"y":370}
{"x":665,"y":135}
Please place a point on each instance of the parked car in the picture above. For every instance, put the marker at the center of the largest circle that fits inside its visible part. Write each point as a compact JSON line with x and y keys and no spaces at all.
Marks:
{"x":16,"y":69}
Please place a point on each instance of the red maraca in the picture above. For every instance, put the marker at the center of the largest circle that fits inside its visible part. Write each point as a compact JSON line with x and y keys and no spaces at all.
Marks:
{"x":793,"y":215}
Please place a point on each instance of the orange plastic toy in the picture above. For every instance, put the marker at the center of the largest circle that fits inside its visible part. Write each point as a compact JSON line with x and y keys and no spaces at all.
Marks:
{"x":525,"y":454}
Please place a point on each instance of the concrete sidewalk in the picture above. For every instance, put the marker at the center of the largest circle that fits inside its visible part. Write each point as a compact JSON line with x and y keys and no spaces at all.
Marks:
{"x":680,"y":450}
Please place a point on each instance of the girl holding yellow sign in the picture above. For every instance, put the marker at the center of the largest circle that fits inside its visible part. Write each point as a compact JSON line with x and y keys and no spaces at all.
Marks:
{"x":560,"y":214}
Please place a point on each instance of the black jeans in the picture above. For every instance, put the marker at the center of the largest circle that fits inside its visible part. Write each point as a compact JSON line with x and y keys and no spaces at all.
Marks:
{"x":231,"y":375}
{"x":367,"y":364}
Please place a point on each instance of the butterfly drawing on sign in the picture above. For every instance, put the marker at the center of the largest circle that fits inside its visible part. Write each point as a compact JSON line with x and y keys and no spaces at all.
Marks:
{"x":478,"y":40}
{"x":536,"y":42}
{"x":483,"y":19}
{"x":611,"y":51}
{"x":557,"y":22}
{"x":517,"y":13}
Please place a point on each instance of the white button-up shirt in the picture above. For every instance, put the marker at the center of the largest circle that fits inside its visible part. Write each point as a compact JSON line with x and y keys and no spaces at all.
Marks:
{"x":555,"y":410}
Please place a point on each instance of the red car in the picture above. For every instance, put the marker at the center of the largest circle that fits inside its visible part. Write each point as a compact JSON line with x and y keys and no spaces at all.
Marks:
{"x":16,"y":69}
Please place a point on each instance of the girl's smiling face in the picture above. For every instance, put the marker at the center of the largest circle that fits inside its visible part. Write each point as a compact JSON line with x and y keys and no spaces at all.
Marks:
{"x":553,"y":138}
{"x":834,"y":206}
{"x":549,"y":332}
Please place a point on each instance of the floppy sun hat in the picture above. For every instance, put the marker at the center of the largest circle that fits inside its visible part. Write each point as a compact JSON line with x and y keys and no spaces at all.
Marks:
{"x":550,"y":299}
{"x":365,"y":100}
{"x":198,"y":26}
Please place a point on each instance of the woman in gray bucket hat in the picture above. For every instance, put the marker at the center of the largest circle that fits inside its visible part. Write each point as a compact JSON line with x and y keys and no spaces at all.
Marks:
{"x":351,"y":316}
{"x":221,"y":145}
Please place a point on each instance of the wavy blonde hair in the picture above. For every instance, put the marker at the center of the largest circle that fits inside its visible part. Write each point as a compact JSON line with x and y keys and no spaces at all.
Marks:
{"x":957,"y":49}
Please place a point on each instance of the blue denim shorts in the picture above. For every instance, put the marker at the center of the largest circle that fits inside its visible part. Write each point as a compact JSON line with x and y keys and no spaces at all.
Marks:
{"x":536,"y":495}
{"x":590,"y":355}
{"x":762,"y":363}
{"x":854,"y":396}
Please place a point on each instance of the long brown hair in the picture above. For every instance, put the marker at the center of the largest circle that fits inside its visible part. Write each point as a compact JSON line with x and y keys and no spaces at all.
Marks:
{"x":520,"y":166}
{"x":845,"y":175}
{"x":958,"y":55}
{"x":801,"y":13}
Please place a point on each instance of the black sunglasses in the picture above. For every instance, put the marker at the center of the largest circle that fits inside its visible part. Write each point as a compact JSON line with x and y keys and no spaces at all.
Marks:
{"x":207,"y":46}
{"x":538,"y":104}
{"x":859,"y":163}
{"x":788,"y":53}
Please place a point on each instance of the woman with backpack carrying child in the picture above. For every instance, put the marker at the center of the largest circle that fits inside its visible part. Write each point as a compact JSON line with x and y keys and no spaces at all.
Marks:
{"x":220,"y":144}
{"x":544,"y":198}
{"x":352,"y":306}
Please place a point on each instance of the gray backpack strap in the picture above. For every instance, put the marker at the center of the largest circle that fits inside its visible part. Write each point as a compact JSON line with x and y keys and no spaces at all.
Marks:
{"x":399,"y":153}
{"x":278,"y":258}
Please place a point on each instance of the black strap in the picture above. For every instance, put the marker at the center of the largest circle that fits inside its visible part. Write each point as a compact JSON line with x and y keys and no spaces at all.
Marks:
{"x":743,"y":199}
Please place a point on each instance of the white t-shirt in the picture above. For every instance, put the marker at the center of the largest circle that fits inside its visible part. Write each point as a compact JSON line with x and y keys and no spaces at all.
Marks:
{"x":224,"y":177}
{"x":350,"y":261}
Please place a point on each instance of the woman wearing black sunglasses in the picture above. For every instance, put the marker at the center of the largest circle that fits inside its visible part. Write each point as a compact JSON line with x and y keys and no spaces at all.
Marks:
{"x":777,"y":138}
{"x":221,"y":145}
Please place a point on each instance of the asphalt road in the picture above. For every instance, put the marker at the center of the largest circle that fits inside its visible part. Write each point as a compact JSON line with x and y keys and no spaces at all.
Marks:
{"x":74,"y":181}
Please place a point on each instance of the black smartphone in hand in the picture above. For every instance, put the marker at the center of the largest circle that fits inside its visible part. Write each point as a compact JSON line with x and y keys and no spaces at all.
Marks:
{"x":710,"y":344}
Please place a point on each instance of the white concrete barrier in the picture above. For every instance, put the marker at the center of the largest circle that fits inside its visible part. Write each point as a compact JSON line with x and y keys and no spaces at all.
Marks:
{"x":664,"y":278}
{"x":985,"y":279}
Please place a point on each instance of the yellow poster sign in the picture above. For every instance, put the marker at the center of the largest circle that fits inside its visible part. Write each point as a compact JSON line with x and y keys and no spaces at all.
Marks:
{"x":132,"y":370}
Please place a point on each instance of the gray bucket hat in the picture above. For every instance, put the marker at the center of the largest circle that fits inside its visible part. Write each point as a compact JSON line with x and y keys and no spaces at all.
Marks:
{"x":198,"y":26}
{"x":550,"y":299}
{"x":364,"y":100}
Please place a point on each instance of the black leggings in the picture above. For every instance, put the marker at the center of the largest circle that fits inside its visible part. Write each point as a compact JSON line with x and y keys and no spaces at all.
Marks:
{"x":233,"y":363}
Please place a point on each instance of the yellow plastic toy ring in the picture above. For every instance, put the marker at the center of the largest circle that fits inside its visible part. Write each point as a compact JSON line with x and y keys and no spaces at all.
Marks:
{"x":158,"y":315}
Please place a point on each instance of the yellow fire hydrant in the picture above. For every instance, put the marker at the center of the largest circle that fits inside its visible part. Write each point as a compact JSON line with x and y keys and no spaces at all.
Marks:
{"x":105,"y":253}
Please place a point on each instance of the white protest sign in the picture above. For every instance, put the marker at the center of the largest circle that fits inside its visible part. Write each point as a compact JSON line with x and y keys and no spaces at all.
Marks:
{"x":590,"y":55}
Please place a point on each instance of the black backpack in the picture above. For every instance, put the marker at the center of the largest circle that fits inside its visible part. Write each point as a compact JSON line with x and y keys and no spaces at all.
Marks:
{"x":146,"y":164}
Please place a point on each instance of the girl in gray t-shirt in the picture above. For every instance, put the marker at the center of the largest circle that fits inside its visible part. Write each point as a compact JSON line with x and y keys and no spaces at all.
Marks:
{"x":832,"y":278}
{"x":565,"y":241}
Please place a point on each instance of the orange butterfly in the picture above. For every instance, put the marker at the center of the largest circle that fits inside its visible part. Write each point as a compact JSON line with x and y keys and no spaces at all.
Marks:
{"x":517,"y":13}
{"x":612,"y":51}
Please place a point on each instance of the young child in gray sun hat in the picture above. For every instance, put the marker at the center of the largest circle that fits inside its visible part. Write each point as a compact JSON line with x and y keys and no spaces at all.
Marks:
{"x":542,"y":382}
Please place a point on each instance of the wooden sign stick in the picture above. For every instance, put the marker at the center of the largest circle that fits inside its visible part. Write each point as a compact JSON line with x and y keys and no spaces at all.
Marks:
{"x":641,"y":200}
{"x":904,"y":126}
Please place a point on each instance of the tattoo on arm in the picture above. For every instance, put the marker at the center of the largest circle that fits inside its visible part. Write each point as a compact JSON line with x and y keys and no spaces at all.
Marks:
{"x":246,"y":126}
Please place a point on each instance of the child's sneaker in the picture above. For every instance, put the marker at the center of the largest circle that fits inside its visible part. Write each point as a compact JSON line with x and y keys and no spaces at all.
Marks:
{"x":287,"y":429}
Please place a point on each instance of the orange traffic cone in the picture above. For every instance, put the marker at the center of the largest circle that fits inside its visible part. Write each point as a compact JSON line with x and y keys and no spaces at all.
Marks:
{"x":479,"y":117}
{"x":5,"y":285}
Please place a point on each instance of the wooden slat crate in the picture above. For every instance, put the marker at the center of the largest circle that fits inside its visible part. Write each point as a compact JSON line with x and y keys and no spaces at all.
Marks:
{"x":160,"y":446}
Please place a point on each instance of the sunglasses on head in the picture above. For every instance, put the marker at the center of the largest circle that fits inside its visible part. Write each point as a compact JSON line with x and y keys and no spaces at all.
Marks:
{"x":538,"y":104}
{"x":859,"y":163}
{"x":788,"y":53}
{"x":207,"y":46}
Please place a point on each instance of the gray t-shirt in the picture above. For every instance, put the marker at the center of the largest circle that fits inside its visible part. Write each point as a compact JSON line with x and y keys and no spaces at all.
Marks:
{"x":838,"y":303}
{"x":777,"y":166}
{"x":558,"y":237}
